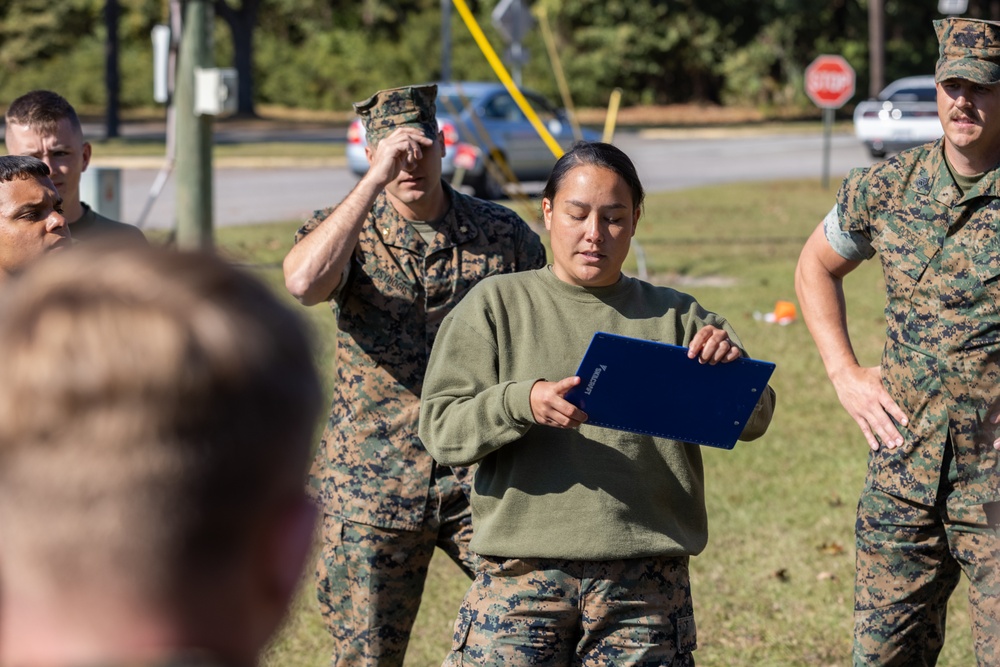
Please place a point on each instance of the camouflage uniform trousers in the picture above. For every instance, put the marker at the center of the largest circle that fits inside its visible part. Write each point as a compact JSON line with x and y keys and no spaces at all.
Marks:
{"x":535,"y":611}
{"x":910,"y":557}
{"x":371,"y":579}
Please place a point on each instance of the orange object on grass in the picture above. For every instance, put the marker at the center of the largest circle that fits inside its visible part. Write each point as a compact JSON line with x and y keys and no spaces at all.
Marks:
{"x":784,"y":312}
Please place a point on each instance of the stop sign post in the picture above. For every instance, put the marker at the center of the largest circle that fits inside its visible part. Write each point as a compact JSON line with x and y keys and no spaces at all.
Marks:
{"x":829,"y":84}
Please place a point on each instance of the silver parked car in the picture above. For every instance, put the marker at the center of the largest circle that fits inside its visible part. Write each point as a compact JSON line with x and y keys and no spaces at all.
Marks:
{"x":904,"y":115}
{"x":480,"y":119}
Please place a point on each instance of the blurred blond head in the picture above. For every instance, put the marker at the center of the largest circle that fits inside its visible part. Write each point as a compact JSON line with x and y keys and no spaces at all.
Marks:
{"x":155,"y":417}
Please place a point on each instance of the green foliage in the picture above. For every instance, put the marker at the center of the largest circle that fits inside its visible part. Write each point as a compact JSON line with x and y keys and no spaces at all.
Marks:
{"x":38,"y":30}
{"x":654,"y":53}
{"x":325,"y":54}
{"x":61,"y":46}
{"x":764,"y":73}
{"x":332,"y":63}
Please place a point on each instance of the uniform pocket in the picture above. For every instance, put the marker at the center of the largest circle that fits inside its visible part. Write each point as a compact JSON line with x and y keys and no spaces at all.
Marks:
{"x":987,"y":267}
{"x":988,"y":263}
{"x":905,"y":257}
{"x":687,"y":634}
{"x":462,"y":626}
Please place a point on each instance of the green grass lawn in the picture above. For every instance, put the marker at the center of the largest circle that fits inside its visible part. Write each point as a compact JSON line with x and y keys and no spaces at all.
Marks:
{"x":775,"y":585}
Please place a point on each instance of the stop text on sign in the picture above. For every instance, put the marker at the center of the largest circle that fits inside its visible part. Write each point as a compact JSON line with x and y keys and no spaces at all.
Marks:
{"x":829,"y":81}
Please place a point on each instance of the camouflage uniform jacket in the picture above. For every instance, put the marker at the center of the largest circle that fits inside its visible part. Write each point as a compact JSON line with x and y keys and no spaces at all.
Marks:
{"x":940,"y":253}
{"x":371,"y":466}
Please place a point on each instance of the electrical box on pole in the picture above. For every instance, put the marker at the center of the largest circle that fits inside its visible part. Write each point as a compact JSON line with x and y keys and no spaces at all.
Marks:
{"x":161,"y":63}
{"x":215,"y":91}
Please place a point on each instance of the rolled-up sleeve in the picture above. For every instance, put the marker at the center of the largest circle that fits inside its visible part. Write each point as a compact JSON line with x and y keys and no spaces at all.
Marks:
{"x":850,"y":245}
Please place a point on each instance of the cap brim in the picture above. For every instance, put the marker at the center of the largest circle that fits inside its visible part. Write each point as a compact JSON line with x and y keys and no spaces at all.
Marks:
{"x":971,"y":69}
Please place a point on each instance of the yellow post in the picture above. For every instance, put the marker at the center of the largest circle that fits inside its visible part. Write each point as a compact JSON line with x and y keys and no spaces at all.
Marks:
{"x":501,"y":72}
{"x":612,"y":117}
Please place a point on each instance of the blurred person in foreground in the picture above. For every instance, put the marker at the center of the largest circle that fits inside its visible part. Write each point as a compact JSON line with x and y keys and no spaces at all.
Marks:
{"x":928,"y":509}
{"x":31,"y":214}
{"x":392,"y":259}
{"x":44,"y":125}
{"x":584,"y":533}
{"x":155,"y":421}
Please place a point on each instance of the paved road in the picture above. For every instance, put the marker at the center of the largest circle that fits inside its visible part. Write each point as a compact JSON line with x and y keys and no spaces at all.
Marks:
{"x":665,"y":161}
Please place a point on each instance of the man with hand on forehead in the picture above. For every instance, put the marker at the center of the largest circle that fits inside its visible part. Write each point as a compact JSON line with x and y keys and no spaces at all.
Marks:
{"x":929,"y":509}
{"x":392,"y":259}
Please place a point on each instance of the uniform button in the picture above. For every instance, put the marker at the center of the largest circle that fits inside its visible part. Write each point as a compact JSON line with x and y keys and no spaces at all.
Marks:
{"x":463,"y":229}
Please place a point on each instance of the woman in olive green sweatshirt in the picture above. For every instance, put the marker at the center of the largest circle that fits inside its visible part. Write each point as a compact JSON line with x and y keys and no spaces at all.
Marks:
{"x":584,"y":532}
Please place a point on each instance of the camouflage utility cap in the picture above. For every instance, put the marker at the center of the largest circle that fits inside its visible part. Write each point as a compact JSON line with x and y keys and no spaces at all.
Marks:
{"x":386,"y":110}
{"x":969,"y":49}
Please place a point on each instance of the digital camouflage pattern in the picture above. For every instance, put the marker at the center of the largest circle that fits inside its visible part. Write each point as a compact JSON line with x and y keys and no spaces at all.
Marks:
{"x":371,"y":466}
{"x":627,"y":613}
{"x":386,"y":110}
{"x":371,"y":579}
{"x":889,"y":588}
{"x":968,"y":49}
{"x":940,"y":254}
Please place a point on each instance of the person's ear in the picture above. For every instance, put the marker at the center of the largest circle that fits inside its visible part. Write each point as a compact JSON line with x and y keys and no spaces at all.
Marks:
{"x":547,"y":213}
{"x":635,"y":219}
{"x":85,"y":152}
{"x":368,"y":154}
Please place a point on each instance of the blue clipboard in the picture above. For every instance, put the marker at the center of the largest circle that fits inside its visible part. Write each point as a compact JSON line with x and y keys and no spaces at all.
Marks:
{"x":652,"y":388}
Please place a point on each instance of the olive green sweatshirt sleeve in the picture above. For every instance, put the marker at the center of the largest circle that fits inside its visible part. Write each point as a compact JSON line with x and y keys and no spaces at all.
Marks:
{"x":465,"y":411}
{"x":760,"y":419}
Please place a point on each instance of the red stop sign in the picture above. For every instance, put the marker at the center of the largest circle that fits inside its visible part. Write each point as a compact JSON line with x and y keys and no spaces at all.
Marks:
{"x":829,"y":81}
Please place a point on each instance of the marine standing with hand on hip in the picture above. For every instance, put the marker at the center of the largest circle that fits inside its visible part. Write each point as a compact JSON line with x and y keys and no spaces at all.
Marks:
{"x":393,"y":258}
{"x":929,"y":508}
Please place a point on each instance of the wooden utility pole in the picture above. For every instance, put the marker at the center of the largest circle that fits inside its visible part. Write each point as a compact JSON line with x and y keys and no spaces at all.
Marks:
{"x":446,"y":40}
{"x":194,"y":132}
{"x":876,"y":47}
{"x":112,"y":80}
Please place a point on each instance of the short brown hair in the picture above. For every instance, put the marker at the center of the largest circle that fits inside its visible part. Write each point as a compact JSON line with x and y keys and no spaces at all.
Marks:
{"x":42,"y":109}
{"x":154,"y":406}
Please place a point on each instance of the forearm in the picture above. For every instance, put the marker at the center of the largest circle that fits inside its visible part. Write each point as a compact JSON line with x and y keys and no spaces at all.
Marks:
{"x":824,"y":311}
{"x":314,"y":266}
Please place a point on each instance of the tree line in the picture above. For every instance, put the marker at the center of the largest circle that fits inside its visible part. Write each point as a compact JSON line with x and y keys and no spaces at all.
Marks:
{"x":324,"y":54}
